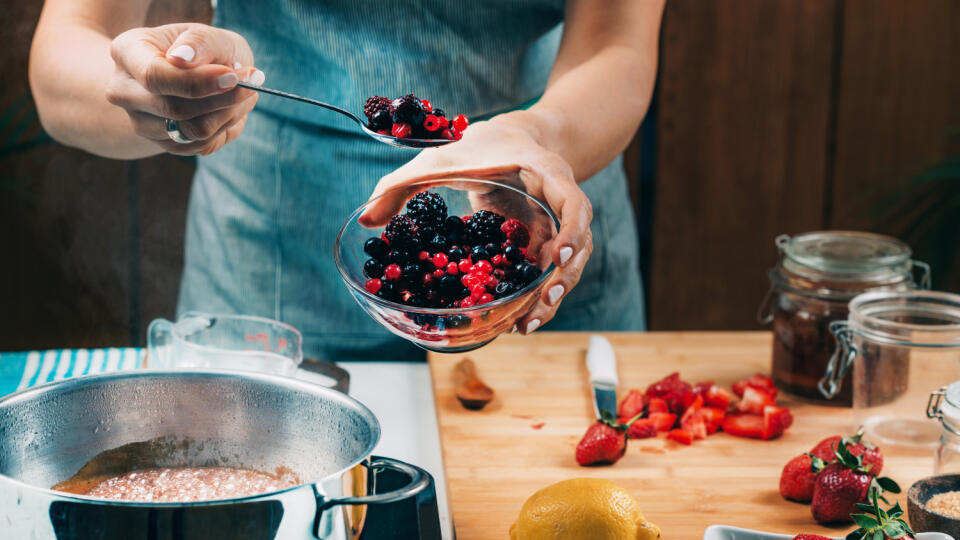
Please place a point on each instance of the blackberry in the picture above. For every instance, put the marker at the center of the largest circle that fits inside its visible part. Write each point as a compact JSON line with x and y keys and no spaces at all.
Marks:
{"x":427,"y":210}
{"x":407,"y":110}
{"x":373,"y":268}
{"x":484,"y":228}
{"x":377,"y":111}
{"x":376,"y":248}
{"x":401,"y":232}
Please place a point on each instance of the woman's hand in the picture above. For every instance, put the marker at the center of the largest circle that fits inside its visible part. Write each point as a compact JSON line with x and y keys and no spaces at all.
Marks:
{"x":503,"y":148}
{"x":187,"y":73}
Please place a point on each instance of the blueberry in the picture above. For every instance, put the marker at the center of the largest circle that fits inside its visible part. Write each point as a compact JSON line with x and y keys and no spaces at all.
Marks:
{"x":454,"y":254}
{"x":373,"y":268}
{"x":438,"y":112}
{"x":513,"y":254}
{"x":449,"y":284}
{"x":411,"y":273}
{"x":504,"y":288}
{"x":458,"y":321}
{"x":478,"y":254}
{"x":453,"y":226}
{"x":493,"y":249}
{"x":376,"y":248}
{"x":425,"y":266}
{"x":398,"y":256}
{"x":530,"y":273}
{"x":438,"y":243}
{"x":388,"y":291}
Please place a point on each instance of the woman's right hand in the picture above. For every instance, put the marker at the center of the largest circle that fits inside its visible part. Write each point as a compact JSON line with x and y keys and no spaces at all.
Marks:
{"x":188,"y":73}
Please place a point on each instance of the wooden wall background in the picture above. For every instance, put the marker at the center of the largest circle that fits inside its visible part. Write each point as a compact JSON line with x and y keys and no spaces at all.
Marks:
{"x":770,"y":116}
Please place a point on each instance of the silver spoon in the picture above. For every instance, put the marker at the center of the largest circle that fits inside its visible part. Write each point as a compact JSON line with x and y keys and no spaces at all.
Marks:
{"x":386,"y":139}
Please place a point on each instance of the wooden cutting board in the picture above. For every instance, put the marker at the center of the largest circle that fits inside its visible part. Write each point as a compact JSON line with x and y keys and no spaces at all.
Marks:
{"x":525,"y":439}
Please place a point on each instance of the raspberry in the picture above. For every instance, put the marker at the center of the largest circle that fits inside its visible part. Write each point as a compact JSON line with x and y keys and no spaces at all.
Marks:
{"x":428,"y":210}
{"x":460,"y":122}
{"x":392,"y":272}
{"x":401,"y":232}
{"x":444,"y":123}
{"x":407,"y":110}
{"x":484,"y":228}
{"x":427,"y":106}
{"x":457,"y":135}
{"x":516,"y":232}
{"x":448,"y":134}
{"x":431,"y":123}
{"x":372,"y":285}
{"x":401,"y":131}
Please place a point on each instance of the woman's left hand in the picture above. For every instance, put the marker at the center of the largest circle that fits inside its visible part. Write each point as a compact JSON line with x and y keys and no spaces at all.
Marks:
{"x":503,"y":147}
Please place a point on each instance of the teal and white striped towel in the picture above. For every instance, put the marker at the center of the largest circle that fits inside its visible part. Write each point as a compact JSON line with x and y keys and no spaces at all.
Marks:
{"x":19,"y":370}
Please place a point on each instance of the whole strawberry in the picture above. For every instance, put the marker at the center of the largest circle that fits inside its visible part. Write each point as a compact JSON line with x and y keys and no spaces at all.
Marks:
{"x":602,"y":444}
{"x":856,"y":444}
{"x":876,"y":523}
{"x":840,"y":486}
{"x":798,"y":478}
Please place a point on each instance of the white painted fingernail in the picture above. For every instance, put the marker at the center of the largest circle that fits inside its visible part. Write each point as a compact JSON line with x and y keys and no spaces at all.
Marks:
{"x":533,"y":325}
{"x":514,"y":329}
{"x":554,"y":294}
{"x":257,"y":77}
{"x":237,"y":65}
{"x":565,"y":254}
{"x":184,"y":52}
{"x":227,"y":80}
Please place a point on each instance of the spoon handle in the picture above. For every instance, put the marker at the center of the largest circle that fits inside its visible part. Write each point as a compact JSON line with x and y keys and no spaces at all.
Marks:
{"x":295,"y":97}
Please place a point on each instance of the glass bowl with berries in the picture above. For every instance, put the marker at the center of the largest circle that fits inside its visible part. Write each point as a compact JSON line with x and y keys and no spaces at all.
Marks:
{"x":454,"y":263}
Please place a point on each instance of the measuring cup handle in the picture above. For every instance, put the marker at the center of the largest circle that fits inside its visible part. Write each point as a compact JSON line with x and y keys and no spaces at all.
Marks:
{"x":840,"y":361}
{"x":159,"y":342}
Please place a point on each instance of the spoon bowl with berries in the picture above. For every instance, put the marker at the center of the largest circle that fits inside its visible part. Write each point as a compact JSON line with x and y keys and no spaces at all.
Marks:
{"x":404,"y":122}
{"x":456,"y":267}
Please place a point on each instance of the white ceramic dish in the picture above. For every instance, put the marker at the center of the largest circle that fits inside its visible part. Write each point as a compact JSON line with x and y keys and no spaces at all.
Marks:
{"x":724,"y":532}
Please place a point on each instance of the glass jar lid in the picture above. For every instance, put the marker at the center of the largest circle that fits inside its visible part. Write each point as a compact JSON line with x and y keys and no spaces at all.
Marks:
{"x":907,"y":318}
{"x":845,"y":256}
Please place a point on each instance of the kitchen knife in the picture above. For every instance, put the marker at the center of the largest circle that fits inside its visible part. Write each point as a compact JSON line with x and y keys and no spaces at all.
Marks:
{"x":602,"y":365}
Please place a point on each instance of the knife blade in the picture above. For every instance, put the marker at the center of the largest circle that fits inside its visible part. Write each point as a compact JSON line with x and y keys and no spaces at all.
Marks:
{"x":602,"y":365}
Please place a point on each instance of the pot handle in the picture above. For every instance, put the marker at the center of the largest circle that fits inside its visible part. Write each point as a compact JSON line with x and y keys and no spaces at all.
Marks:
{"x":840,"y":361}
{"x":419,"y":480}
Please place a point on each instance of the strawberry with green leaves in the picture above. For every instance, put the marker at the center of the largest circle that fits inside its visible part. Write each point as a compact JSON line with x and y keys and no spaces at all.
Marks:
{"x":879,"y":524}
{"x":844,"y":484}
{"x":605,"y":441}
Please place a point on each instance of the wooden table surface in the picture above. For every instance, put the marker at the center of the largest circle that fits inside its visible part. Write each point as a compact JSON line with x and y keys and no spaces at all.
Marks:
{"x":497,"y":457}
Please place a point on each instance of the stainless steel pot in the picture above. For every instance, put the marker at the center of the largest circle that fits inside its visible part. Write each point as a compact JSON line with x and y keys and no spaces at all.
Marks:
{"x":190,"y":418}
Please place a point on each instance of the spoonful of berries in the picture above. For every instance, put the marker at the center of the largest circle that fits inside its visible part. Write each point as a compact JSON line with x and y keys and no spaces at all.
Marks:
{"x":404,"y":122}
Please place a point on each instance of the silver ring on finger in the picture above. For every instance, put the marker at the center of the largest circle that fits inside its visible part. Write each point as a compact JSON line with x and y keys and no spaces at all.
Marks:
{"x":173,"y":131}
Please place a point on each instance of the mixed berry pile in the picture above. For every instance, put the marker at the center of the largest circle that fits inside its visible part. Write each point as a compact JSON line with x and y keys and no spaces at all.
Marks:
{"x":426,"y":258}
{"x":411,"y":117}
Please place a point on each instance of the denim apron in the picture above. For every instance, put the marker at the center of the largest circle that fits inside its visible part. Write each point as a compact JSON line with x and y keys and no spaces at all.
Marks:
{"x":264,"y":211}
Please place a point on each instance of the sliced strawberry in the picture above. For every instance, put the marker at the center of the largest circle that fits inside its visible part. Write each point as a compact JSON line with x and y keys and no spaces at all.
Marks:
{"x":631,"y":405}
{"x":744,"y":425}
{"x":642,"y":428}
{"x":657,"y":405}
{"x":692,"y":410}
{"x":718,"y":397}
{"x":713,"y":416}
{"x":701,"y":388}
{"x":757,"y":381}
{"x":681,"y":436}
{"x":776,"y":420}
{"x":663,"y":421}
{"x":754,"y":400}
{"x":676,"y":392}
{"x":696,"y":426}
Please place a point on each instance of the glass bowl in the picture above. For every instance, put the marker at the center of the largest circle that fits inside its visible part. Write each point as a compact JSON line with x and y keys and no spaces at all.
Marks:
{"x":454,"y":329}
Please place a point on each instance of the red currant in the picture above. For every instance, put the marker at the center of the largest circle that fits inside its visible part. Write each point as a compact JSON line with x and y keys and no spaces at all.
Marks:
{"x":460,"y":122}
{"x":431,"y":123}
{"x":457,"y":135}
{"x":427,"y":280}
{"x":484,"y":267}
{"x":487,"y":297}
{"x":440,"y":260}
{"x":427,"y":106}
{"x":499,"y":273}
{"x":496,"y":260}
{"x":467,"y":302}
{"x":448,"y":134}
{"x":470,"y":280}
{"x":383,"y":132}
{"x":477,"y":291}
{"x":392,"y":271}
{"x":464,"y":266}
{"x":491,"y":282}
{"x":401,"y":131}
{"x":438,"y":273}
{"x":372,"y":285}
{"x":423,"y":255}
{"x":452,"y":269}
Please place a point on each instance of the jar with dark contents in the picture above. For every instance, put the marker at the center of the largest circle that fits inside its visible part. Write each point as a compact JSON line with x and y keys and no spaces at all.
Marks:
{"x":817,"y":276}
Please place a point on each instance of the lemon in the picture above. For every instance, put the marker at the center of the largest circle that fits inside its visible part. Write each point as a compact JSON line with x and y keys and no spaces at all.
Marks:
{"x":582,"y":509}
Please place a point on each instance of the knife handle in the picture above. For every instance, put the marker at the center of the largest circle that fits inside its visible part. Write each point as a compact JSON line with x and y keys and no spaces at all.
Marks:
{"x":601,"y":362}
